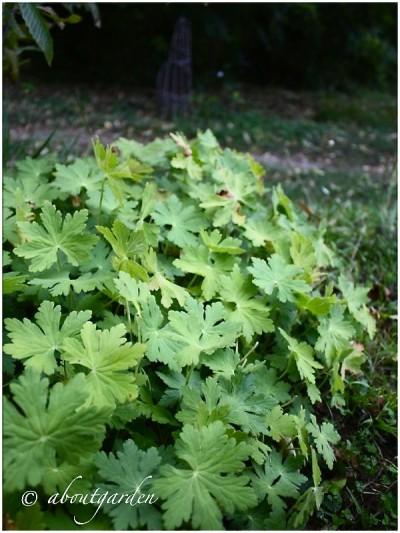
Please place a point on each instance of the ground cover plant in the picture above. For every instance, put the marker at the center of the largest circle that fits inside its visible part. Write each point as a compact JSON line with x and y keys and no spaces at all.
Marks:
{"x":171,"y":314}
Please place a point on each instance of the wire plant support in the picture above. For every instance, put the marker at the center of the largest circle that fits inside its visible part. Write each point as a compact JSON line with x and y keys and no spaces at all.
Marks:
{"x":174,"y":79}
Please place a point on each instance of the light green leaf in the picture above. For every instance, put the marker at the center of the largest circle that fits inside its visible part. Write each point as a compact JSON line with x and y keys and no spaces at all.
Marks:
{"x":303,"y":356}
{"x":222,"y":362}
{"x":135,"y":292}
{"x":317,"y":305}
{"x":34,"y":169}
{"x":181,"y":221}
{"x":169,"y":291}
{"x":149,"y":200}
{"x":282,"y":202}
{"x":357,"y":298}
{"x":335,"y":333}
{"x":352,"y":362}
{"x":266,"y":379}
{"x":37,"y":343}
{"x":243,"y":305}
{"x":128,"y":246}
{"x":60,"y":282}
{"x":313,"y":393}
{"x":115,"y":169}
{"x":129,"y":472}
{"x":278,"y":276}
{"x":238,"y":403}
{"x":187,"y":163}
{"x":200,"y":330}
{"x":281,"y":425}
{"x":324,"y":436}
{"x":29,"y":189}
{"x":247,"y":405}
{"x":201,"y":404}
{"x":209,"y":484}
{"x":277,"y":480}
{"x":305,"y":507}
{"x":159,"y":344}
{"x":316,"y":472}
{"x":154,"y":153}
{"x":260,"y":231}
{"x":302,"y":252}
{"x":43,"y":242}
{"x":81,"y":174}
{"x":215,"y":243}
{"x":13,"y":282}
{"x":108,"y":357}
{"x":199,"y":260}
{"x":47,"y":423}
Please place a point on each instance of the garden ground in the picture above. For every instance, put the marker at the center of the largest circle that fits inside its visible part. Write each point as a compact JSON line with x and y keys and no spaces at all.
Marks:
{"x":336,"y":156}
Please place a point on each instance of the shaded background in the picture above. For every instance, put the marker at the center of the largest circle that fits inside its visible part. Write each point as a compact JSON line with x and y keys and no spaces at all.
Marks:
{"x":310,"y":91}
{"x":291,"y":45}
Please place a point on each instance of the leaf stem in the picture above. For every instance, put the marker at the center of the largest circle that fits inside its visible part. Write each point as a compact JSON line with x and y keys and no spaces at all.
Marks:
{"x":59,"y":266}
{"x":284,"y":372}
{"x":289,"y":401}
{"x":71,"y":299}
{"x":189,"y":374}
{"x":192,"y":281}
{"x":324,"y":381}
{"x":128,"y":315}
{"x":101,"y":198}
{"x":243,"y":360}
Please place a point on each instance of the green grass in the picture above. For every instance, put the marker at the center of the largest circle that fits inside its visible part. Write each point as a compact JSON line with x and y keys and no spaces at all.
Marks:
{"x":335,"y":155}
{"x":361,"y":213}
{"x":348,"y":130}
{"x":374,"y":110}
{"x":364,"y":232}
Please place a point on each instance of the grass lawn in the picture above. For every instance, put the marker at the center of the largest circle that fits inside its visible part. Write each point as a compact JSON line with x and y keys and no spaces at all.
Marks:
{"x":336,"y":156}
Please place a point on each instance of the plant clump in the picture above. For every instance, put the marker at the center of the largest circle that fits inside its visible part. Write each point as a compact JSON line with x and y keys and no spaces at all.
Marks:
{"x":171,"y":317}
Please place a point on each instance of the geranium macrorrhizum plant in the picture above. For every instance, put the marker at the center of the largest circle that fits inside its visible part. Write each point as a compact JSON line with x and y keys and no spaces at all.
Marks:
{"x":162,"y":300}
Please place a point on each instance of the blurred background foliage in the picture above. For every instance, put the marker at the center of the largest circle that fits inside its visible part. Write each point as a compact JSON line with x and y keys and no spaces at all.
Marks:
{"x":310,"y":91}
{"x":298,"y":46}
{"x":27,"y":28}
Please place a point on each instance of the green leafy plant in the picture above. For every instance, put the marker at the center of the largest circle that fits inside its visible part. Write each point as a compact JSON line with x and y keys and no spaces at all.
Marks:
{"x":27,"y":28}
{"x":201,"y":335}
